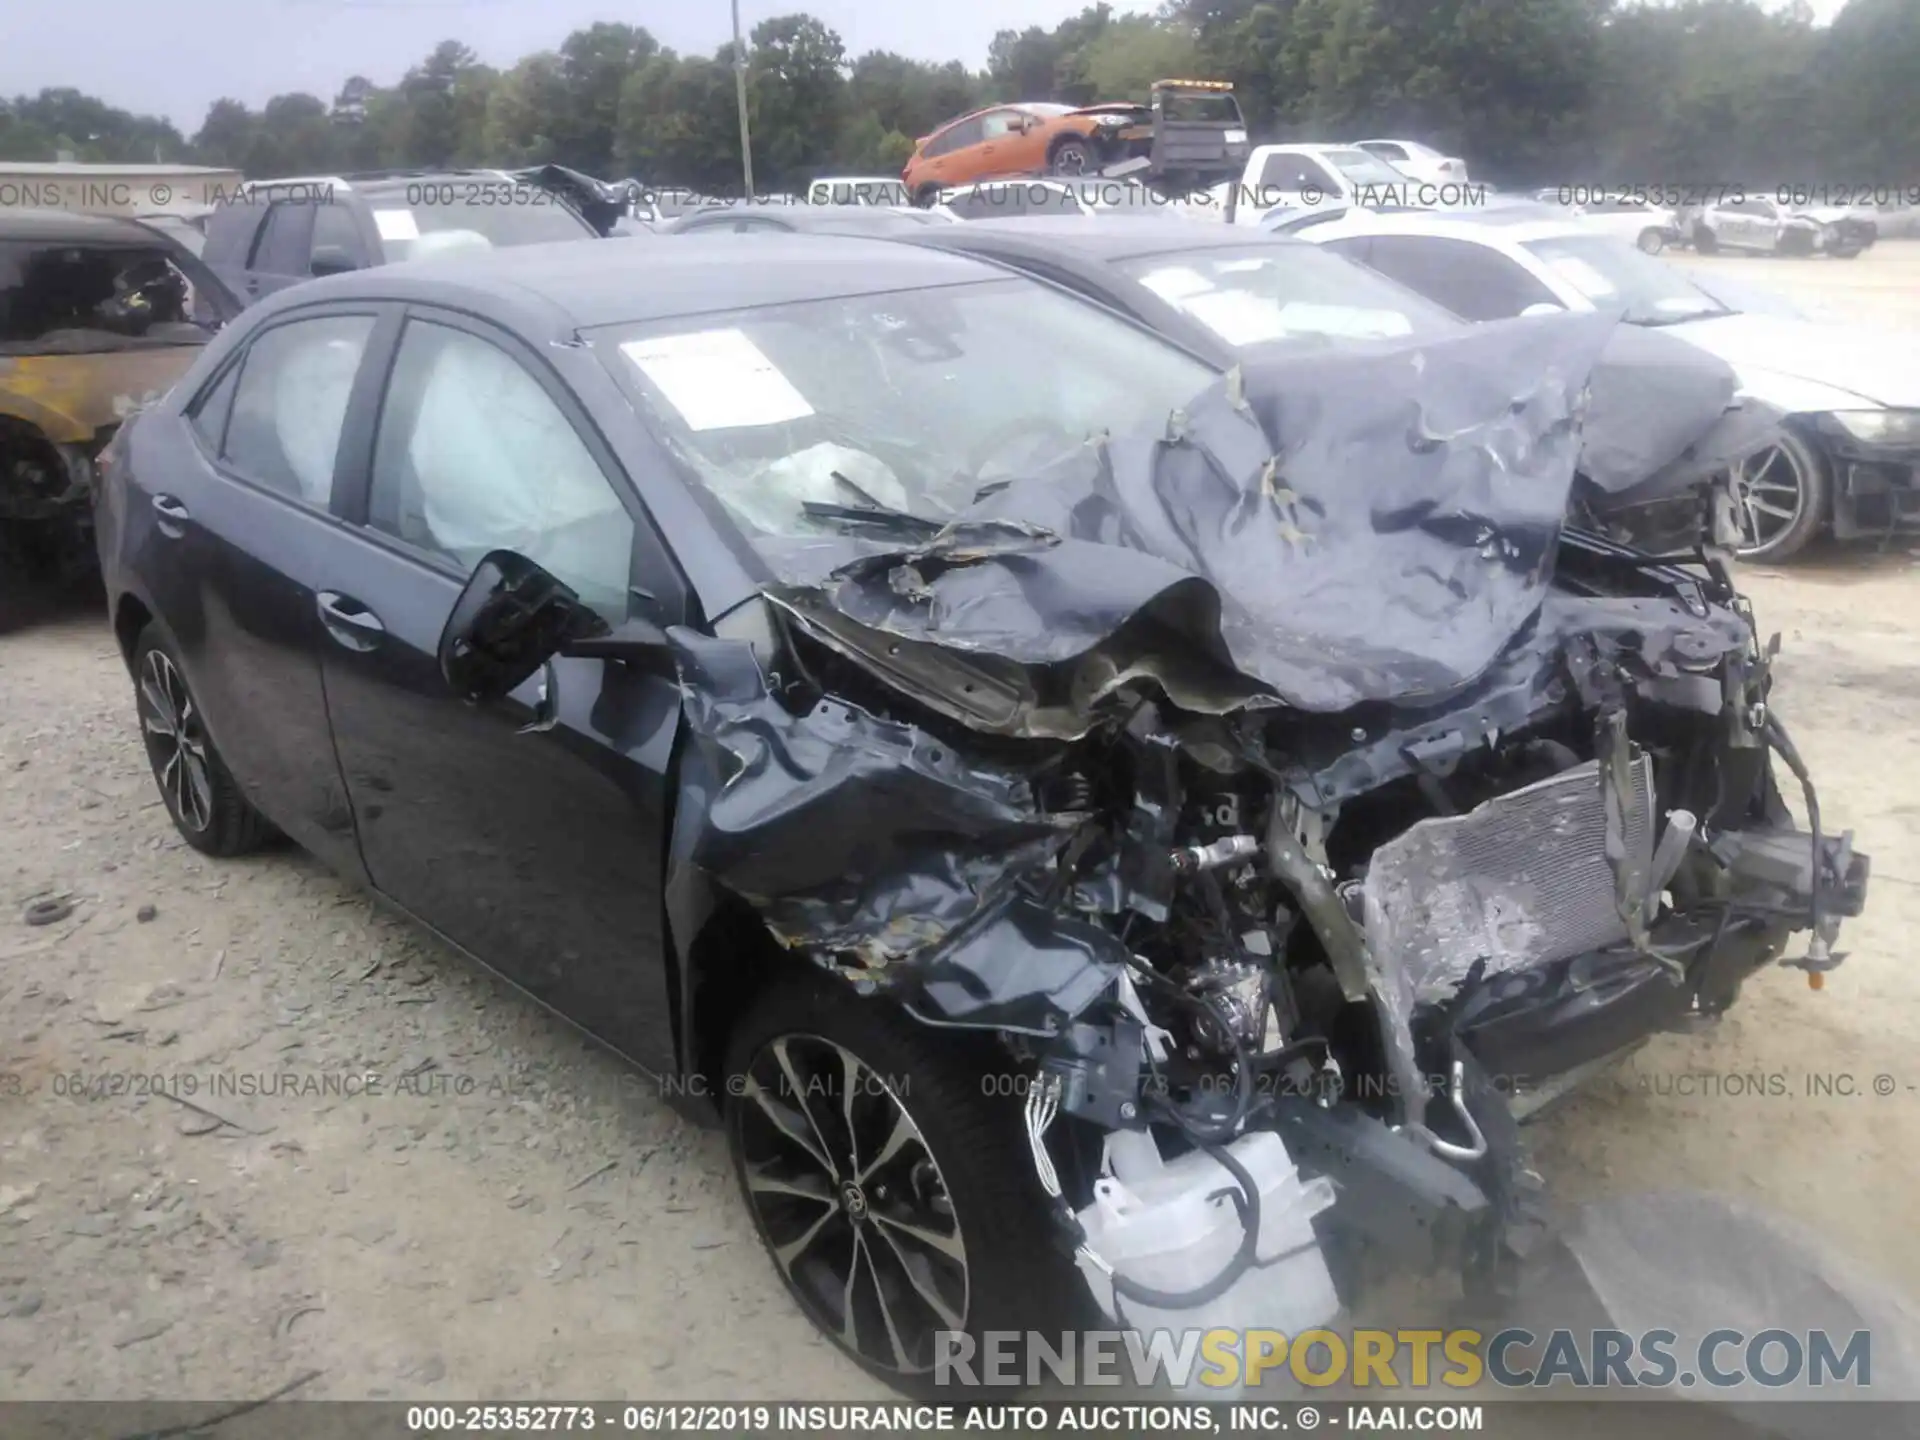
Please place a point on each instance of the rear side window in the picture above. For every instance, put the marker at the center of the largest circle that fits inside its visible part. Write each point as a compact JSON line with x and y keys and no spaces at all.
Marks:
{"x":209,"y":417}
{"x":291,"y":404}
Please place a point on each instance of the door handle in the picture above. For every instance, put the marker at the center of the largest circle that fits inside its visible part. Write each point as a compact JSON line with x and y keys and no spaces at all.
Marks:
{"x":173,"y":516}
{"x":348,"y":621}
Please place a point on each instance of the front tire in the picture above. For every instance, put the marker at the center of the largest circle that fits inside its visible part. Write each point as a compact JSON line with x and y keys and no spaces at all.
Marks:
{"x":892,"y":1190}
{"x":1652,"y":241}
{"x":201,"y":796}
{"x":1781,"y":497}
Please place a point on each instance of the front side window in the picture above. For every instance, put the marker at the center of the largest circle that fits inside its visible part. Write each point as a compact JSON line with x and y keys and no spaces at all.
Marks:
{"x":1287,"y":291}
{"x":291,"y":404}
{"x":813,"y":419}
{"x":473,"y":455}
{"x":285,"y":240}
{"x":337,"y":245}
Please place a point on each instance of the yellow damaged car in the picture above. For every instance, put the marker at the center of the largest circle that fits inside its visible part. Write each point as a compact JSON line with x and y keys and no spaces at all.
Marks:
{"x":98,"y":317}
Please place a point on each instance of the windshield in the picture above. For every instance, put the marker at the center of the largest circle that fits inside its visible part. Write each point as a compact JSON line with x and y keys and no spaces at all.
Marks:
{"x":1044,"y":107}
{"x":471,"y":214}
{"x":1363,"y":169}
{"x":1616,"y":276}
{"x":852,"y":416}
{"x":1285,"y":291}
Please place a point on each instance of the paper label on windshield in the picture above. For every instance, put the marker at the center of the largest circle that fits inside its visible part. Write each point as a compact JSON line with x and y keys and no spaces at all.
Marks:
{"x":396,"y":224}
{"x":718,"y":380}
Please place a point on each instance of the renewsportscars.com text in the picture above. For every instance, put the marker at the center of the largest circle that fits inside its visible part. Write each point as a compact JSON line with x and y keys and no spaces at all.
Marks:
{"x":1390,"y":1359}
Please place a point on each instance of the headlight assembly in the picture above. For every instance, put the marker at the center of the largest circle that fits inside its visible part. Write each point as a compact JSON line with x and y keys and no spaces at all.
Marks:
{"x":1880,"y":427}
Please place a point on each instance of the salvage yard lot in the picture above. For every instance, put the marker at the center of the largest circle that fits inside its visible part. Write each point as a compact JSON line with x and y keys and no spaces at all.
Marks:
{"x":500,"y":1210}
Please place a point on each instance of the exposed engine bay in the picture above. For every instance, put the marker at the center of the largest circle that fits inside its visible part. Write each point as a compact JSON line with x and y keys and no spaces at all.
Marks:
{"x":1290,"y":778}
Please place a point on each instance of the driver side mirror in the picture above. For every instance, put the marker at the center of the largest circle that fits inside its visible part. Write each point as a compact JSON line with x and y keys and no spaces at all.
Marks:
{"x":512,"y":617}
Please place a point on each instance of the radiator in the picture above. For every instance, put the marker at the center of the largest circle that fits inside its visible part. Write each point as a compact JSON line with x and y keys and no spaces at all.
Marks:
{"x":1522,"y":880}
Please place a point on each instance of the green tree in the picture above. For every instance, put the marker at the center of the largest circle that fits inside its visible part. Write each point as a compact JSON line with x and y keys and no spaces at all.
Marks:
{"x":594,"y":66}
{"x":796,"y":97}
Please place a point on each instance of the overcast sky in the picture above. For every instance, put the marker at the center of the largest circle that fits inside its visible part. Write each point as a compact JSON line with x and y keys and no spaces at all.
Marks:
{"x":175,"y":58}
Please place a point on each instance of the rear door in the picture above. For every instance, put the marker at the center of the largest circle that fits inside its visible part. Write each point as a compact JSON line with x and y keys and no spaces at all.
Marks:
{"x":531,"y":831}
{"x":231,"y":528}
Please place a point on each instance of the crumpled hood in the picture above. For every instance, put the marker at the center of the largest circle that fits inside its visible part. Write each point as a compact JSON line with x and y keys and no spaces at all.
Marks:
{"x":1318,"y":530}
{"x":1880,"y":366}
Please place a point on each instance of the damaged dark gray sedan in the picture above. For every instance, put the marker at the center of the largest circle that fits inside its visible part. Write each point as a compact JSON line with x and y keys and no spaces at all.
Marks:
{"x":1069,"y":812}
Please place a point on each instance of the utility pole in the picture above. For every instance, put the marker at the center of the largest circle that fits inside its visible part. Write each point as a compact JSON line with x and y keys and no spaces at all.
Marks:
{"x":740,"y":90}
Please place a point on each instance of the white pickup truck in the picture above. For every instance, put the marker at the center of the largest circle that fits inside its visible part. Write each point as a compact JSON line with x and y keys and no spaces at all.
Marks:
{"x":1307,"y":177}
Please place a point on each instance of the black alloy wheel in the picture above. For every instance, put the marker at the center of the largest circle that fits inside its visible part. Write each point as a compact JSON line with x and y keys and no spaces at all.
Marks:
{"x":852,"y":1202}
{"x":889,"y":1180}
{"x":202,"y":799}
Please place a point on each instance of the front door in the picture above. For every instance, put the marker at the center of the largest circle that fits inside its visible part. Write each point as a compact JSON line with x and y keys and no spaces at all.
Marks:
{"x":530,"y":831}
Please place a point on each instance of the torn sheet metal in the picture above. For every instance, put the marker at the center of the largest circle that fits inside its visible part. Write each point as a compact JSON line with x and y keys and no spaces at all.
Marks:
{"x":867,"y":841}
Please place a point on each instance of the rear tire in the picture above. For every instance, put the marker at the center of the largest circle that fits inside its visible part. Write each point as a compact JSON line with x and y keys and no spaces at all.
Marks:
{"x":1703,"y":240}
{"x":897,"y":1198}
{"x":1071,"y":156}
{"x":1652,"y":241}
{"x":201,"y":796}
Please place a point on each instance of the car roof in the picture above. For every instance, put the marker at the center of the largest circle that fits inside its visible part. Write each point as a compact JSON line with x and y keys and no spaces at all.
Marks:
{"x":574,"y":286}
{"x":70,"y":227}
{"x":1097,"y":237}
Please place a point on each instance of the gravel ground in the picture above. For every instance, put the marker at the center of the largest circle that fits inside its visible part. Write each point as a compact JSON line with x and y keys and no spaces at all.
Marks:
{"x":514,"y":1215}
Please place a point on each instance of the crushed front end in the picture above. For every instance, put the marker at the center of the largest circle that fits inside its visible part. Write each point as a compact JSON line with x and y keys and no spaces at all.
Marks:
{"x":1295,"y":834}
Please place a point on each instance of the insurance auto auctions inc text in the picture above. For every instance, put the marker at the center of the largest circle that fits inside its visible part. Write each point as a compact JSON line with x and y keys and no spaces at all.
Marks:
{"x":1390,"y":1359}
